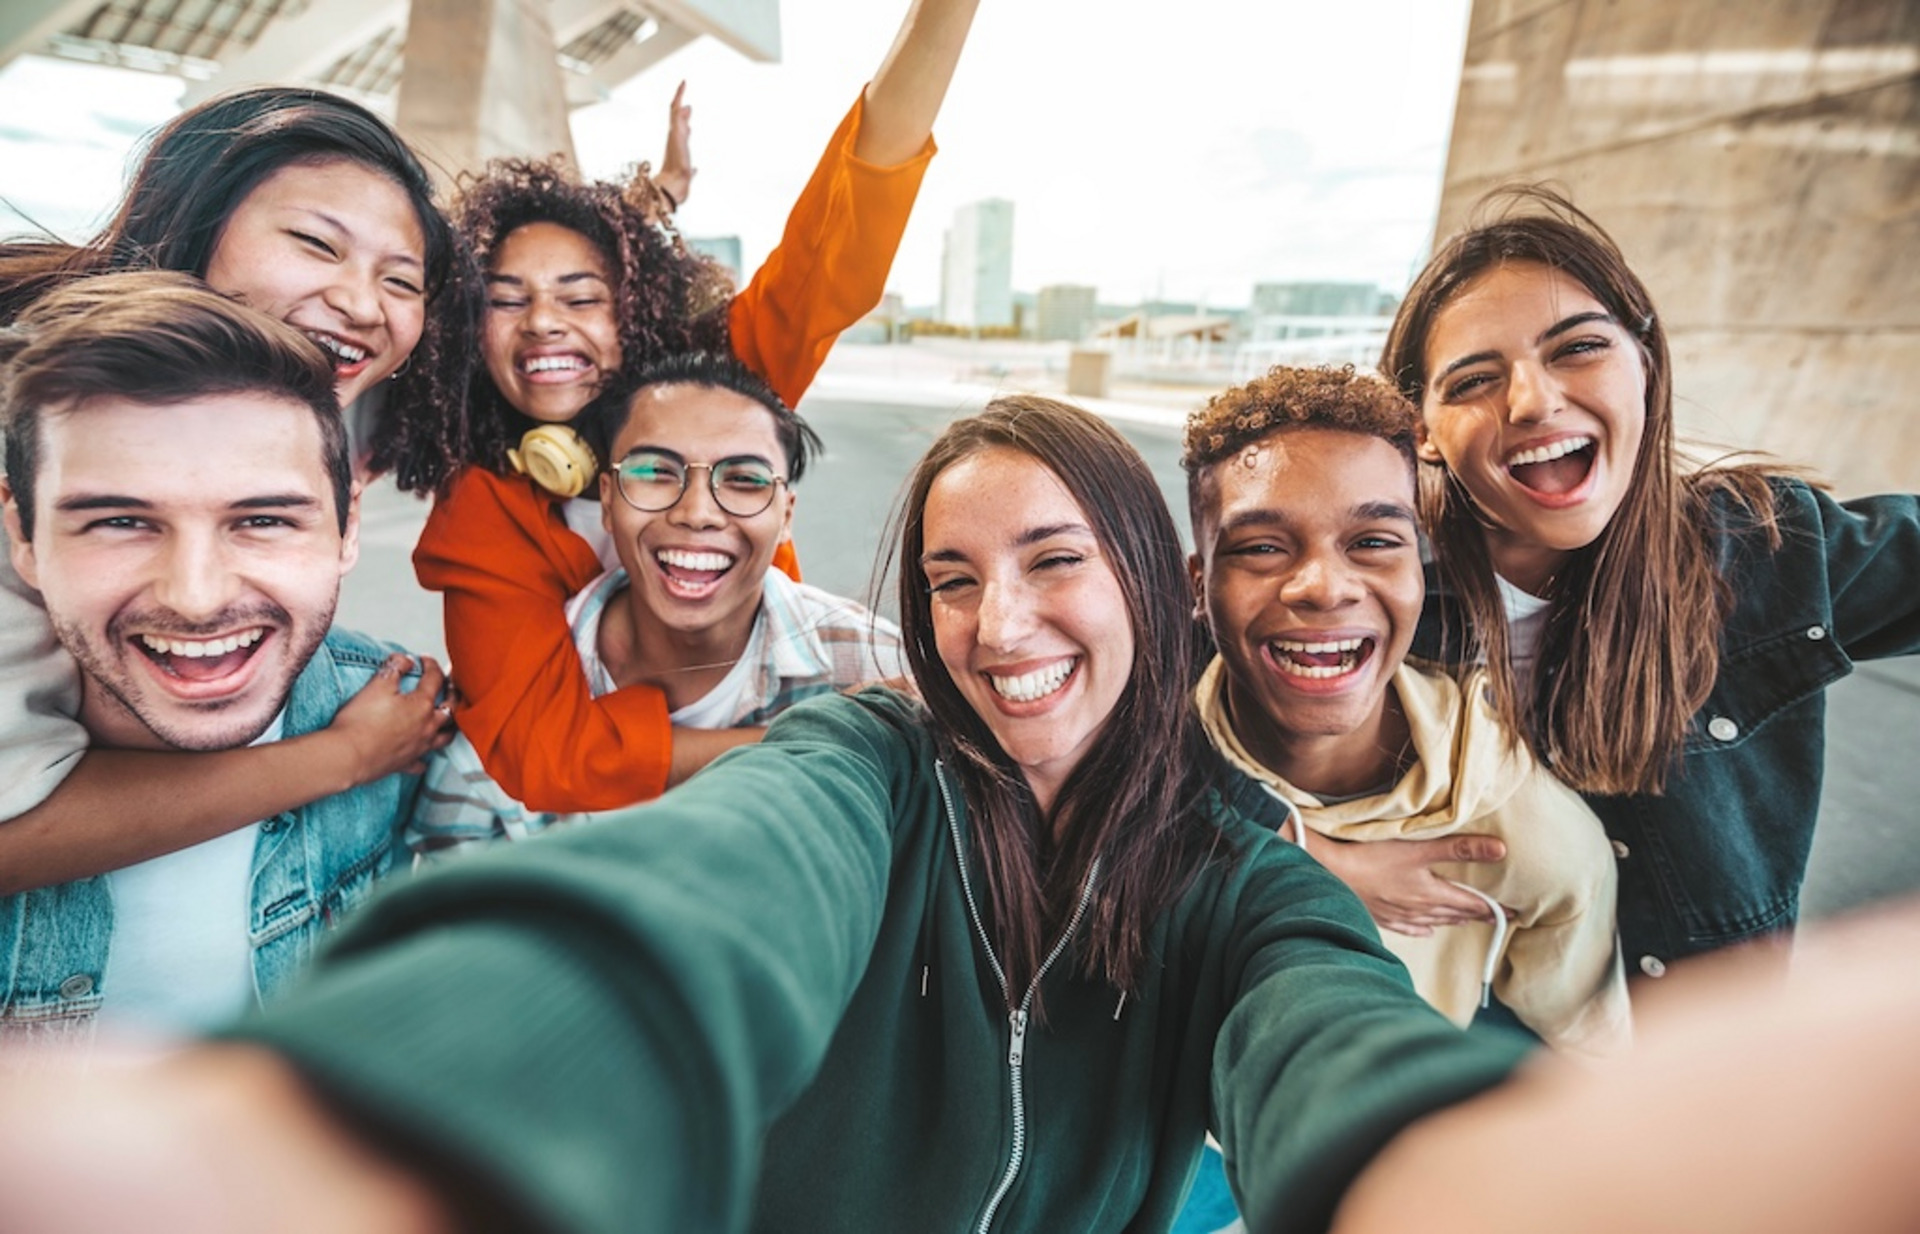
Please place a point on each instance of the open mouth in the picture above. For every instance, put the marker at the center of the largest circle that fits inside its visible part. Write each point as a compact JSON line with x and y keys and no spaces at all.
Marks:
{"x":1033,"y":686}
{"x":692,"y":574}
{"x":1319,"y":660}
{"x":198,"y":660}
{"x":1555,"y":469}
{"x":348,"y":358}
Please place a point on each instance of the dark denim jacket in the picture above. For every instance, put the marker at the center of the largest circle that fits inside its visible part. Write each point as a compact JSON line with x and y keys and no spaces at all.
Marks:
{"x":309,"y":866}
{"x":1721,"y":855}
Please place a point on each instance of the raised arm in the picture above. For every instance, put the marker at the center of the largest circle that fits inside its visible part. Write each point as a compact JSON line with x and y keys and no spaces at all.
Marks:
{"x":905,"y":94}
{"x":830,"y":268}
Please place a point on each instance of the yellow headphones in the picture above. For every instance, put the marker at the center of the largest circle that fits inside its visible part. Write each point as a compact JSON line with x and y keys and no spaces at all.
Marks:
{"x":557,"y":459}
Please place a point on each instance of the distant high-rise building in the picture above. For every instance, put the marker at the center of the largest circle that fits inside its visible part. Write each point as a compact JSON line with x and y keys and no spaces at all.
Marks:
{"x":976,"y":284}
{"x":1064,"y":312}
{"x":1315,"y":299}
{"x":723,"y":249}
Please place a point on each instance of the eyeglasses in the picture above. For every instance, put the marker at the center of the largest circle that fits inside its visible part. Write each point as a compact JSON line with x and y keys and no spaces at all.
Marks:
{"x":654,"y":480}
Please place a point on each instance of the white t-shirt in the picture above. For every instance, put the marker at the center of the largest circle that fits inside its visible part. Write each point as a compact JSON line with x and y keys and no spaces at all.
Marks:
{"x":717,"y":707}
{"x":583,"y":519}
{"x":181,"y":959}
{"x":40,"y":737}
{"x":1526,"y":623}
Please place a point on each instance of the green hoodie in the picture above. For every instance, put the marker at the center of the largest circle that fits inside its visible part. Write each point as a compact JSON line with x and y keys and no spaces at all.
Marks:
{"x":766,"y":1000}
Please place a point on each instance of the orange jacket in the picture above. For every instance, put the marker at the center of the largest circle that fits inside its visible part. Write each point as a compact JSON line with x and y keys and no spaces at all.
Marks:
{"x":502,"y":554}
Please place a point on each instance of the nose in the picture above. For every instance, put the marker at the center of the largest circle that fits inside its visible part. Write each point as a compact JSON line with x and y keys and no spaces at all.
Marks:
{"x":355,"y":295}
{"x":1005,"y":616}
{"x":696,"y":507}
{"x":195,"y":579}
{"x":1532,"y":394}
{"x":1320,"y":582}
{"x":541,"y":317}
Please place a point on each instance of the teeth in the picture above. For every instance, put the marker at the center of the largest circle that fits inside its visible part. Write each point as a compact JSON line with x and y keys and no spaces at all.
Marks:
{"x":196,"y":649}
{"x":1318,"y":671}
{"x":1344,"y":644}
{"x":1037,"y":684}
{"x":344,"y":350}
{"x":551,"y":364}
{"x":1282,"y":651}
{"x":681,"y":559}
{"x":1547,"y":453}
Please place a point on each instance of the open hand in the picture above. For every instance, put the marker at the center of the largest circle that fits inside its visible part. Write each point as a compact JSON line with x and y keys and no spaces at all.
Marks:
{"x":392,"y":729}
{"x":1396,"y":881}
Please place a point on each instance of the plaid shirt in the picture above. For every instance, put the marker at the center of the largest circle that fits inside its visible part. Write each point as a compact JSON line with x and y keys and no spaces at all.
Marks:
{"x":805,"y":641}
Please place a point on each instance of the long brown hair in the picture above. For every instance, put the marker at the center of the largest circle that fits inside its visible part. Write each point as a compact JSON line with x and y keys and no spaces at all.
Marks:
{"x":1634,"y":619}
{"x":1133,"y":802}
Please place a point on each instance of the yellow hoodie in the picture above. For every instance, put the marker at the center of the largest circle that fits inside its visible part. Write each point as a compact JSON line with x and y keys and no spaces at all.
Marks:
{"x":1556,"y":965}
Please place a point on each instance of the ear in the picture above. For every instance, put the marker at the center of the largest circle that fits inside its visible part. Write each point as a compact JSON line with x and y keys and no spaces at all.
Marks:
{"x":1197,"y":575}
{"x":786,"y":517}
{"x":18,"y":546}
{"x":1423,"y":447}
{"x":350,"y":536}
{"x":606,"y":500}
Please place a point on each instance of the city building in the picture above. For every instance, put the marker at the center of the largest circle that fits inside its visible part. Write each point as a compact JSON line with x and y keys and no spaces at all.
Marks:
{"x":1064,"y":313}
{"x":1315,"y":299}
{"x":976,"y":283}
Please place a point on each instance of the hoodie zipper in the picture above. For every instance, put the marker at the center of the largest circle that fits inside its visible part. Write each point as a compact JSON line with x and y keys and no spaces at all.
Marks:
{"x":1016,"y":1018}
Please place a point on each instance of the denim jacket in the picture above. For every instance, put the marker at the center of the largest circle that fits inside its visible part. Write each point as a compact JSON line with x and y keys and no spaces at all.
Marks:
{"x":1720,"y":856}
{"x":309,"y":866}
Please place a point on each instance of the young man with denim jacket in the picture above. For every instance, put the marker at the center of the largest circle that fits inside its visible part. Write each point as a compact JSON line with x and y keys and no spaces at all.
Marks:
{"x":178,"y":490}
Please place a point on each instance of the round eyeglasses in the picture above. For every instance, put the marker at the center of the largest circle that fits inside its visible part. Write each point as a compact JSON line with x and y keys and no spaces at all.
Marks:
{"x":654,"y":480}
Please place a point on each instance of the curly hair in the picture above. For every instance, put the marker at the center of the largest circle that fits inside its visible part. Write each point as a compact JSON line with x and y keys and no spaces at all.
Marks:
{"x":667,"y":299}
{"x":1289,"y":398}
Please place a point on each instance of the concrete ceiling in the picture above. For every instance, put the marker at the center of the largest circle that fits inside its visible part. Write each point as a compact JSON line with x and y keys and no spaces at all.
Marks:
{"x":358,"y":46}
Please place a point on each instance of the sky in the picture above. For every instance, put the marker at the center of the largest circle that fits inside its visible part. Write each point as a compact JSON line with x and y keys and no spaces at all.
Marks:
{"x":1180,"y":151}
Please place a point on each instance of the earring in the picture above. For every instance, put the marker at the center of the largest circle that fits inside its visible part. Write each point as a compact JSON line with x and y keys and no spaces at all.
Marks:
{"x":404,"y":366}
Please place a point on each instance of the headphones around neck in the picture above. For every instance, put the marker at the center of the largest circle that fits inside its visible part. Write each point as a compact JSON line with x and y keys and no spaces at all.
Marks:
{"x":556,"y":458}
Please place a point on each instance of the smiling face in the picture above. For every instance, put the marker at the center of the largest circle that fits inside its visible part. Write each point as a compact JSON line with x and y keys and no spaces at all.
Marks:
{"x":190,"y":556}
{"x":1536,"y":402}
{"x":552,"y":336}
{"x":1029,"y":618}
{"x":695,"y":568}
{"x":1309,"y":573}
{"x":335,"y":250}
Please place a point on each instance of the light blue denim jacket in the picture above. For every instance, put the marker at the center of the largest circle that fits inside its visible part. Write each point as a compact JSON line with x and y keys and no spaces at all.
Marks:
{"x":310,"y":865}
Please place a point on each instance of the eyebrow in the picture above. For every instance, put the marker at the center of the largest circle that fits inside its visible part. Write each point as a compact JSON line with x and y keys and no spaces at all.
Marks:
{"x":1554,"y":331}
{"x":1365,"y":512}
{"x":115,"y":501}
{"x":343,"y":229}
{"x":676,"y":456}
{"x":577,"y":276}
{"x":1032,"y":535}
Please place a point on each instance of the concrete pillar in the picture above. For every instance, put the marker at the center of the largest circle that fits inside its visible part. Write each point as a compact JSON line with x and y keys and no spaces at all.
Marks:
{"x":1759,"y":161}
{"x":481,"y":82}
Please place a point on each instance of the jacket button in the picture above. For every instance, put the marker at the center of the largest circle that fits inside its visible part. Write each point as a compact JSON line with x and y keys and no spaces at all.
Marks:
{"x":1816,"y":633}
{"x":1620,"y":850}
{"x":77,"y":986}
{"x":1653,"y":966}
{"x":1723,"y":729}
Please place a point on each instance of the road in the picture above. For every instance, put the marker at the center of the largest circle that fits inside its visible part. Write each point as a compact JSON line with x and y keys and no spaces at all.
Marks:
{"x":1867,"y":847}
